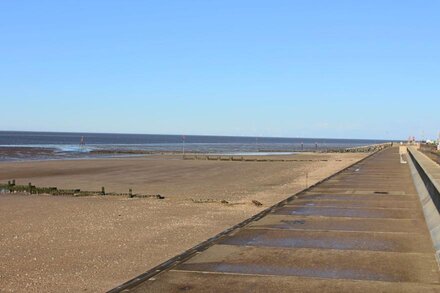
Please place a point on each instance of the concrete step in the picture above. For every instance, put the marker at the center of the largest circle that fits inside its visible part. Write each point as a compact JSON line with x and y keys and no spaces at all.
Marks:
{"x":317,"y":263}
{"x":352,"y":213}
{"x":347,"y":240}
{"x":376,"y":203}
{"x":320,"y":223}
{"x":182,"y":281}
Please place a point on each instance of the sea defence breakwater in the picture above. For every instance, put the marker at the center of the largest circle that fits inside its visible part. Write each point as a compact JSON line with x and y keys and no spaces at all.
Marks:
{"x":366,"y":148}
{"x":13,"y":188}
{"x":362,"y":229}
{"x":280,"y":158}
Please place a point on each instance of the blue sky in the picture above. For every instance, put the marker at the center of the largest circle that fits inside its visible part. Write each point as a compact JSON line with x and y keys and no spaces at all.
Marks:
{"x":342,"y":69}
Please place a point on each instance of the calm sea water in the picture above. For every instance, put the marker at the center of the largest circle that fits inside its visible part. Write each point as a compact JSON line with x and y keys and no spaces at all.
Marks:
{"x":67,"y":145}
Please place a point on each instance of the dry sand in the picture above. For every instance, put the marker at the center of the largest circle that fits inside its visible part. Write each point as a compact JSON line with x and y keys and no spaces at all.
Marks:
{"x":89,"y":244}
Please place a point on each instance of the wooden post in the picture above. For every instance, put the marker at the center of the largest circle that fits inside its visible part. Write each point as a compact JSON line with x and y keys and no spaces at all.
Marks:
{"x":31,"y":188}
{"x":103,"y":190}
{"x":130,"y":192}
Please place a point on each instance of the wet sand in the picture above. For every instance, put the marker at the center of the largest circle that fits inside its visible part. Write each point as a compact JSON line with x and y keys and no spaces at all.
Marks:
{"x":55,"y":243}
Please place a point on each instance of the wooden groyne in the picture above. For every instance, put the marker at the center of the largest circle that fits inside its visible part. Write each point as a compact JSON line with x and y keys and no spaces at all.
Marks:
{"x":248,"y":159}
{"x":13,"y":188}
{"x":257,"y":158}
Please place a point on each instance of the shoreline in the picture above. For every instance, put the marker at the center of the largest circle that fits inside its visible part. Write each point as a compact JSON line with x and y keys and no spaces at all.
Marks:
{"x":51,"y":153}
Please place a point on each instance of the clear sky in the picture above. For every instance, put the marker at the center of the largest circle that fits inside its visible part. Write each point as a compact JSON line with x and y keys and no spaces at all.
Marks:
{"x":342,"y":69}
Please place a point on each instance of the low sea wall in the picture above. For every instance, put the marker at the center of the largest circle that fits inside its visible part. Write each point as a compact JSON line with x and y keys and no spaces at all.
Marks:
{"x":426,"y":176}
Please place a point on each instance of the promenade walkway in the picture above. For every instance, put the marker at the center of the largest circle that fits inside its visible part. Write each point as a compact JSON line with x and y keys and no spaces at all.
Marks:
{"x":362,"y":230}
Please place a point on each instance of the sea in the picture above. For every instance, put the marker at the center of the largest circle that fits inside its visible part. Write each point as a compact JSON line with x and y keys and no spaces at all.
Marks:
{"x":22,"y":146}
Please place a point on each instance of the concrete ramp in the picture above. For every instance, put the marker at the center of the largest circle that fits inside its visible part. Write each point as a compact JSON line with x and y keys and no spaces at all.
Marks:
{"x":362,"y":230}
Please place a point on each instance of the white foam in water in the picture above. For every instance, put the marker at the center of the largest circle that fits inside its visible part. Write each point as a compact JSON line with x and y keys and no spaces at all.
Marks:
{"x":73,"y":148}
{"x":56,"y":147}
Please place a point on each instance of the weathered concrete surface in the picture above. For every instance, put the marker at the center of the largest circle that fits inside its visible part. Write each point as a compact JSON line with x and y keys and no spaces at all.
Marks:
{"x":360,"y":231}
{"x":428,"y":191}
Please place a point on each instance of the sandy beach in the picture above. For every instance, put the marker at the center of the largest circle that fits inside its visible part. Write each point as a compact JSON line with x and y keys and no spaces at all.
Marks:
{"x":91,"y":244}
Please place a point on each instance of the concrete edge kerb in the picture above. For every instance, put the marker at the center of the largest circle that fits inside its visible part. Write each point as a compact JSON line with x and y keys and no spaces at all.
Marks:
{"x":432,"y":216}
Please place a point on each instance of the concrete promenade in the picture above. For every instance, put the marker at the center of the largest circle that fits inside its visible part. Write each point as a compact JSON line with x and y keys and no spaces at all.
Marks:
{"x":362,"y":230}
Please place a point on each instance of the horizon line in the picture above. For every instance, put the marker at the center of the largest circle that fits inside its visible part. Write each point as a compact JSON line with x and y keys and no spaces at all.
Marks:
{"x":205,"y":135}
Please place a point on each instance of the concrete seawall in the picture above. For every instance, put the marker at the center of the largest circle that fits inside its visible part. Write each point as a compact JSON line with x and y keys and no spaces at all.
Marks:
{"x":426,"y":176}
